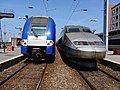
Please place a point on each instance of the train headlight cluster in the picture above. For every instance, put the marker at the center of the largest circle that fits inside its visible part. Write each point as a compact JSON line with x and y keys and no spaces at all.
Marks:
{"x":50,"y":42}
{"x":97,"y":43}
{"x":24,"y":42}
{"x":80,"y":43}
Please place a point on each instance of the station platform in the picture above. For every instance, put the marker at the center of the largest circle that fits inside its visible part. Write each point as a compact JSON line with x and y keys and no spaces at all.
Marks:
{"x":9,"y":58}
{"x":9,"y":55}
{"x":112,"y":58}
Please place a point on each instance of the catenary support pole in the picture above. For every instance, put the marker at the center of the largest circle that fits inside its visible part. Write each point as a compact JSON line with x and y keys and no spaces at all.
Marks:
{"x":105,"y":26}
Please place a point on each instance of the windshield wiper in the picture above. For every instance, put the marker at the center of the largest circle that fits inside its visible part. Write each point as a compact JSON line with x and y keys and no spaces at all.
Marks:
{"x":34,"y":34}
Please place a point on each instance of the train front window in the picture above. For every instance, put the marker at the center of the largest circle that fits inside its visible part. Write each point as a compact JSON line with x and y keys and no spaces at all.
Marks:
{"x":86,"y":30}
{"x":38,"y":30}
{"x":73,"y":30}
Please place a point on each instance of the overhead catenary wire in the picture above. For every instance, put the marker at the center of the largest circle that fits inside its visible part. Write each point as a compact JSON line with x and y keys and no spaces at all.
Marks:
{"x":45,"y":6}
{"x":72,"y":12}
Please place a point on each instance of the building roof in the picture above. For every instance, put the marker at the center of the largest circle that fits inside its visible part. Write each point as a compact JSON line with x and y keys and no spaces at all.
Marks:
{"x":116,"y":5}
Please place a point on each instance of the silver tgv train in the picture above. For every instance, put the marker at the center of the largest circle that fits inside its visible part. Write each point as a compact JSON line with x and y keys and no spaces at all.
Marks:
{"x":79,"y":42}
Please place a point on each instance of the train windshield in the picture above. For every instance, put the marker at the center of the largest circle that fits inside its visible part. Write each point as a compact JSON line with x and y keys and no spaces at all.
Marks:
{"x":78,"y":30}
{"x":73,"y":30}
{"x":86,"y":30}
{"x":38,"y":29}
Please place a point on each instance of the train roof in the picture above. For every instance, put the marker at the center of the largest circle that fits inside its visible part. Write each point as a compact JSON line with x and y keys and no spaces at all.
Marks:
{"x":40,"y":16}
{"x":76,"y":28}
{"x":40,"y":19}
{"x":73,"y":26}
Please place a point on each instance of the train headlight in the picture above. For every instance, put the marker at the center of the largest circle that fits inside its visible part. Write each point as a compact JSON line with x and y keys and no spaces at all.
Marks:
{"x":80,"y":43}
{"x":99,"y":43}
{"x":50,"y":42}
{"x":24,"y":42}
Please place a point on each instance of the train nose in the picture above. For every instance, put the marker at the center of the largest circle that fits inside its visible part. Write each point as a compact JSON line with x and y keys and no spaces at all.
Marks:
{"x":91,"y":50}
{"x":97,"y":53}
{"x":100,"y":53}
{"x":91,"y":53}
{"x":86,"y":53}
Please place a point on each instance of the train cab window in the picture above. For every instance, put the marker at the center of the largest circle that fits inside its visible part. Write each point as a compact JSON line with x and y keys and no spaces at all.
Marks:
{"x":86,"y":30}
{"x":38,"y":29}
{"x":73,"y":30}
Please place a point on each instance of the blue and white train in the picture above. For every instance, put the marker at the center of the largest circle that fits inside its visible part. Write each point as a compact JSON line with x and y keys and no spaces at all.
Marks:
{"x":38,"y":37}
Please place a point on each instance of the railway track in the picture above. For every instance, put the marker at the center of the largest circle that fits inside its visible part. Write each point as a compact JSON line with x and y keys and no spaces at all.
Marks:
{"x":118,"y":80}
{"x":29,"y":76}
{"x":10,"y":76}
{"x":11,"y":71}
{"x":111,"y":72}
{"x":40,"y":80}
{"x":97,"y":79}
{"x":100,"y":80}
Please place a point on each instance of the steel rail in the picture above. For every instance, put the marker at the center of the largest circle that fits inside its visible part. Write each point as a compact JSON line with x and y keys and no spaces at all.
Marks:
{"x":40,"y":80}
{"x":109,"y":75}
{"x":6,"y":79}
{"x":90,"y":85}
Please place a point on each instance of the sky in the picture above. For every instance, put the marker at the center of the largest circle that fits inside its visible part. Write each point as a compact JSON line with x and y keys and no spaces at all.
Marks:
{"x":64,"y":12}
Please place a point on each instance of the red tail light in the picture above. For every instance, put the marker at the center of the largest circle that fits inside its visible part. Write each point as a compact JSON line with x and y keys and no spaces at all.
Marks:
{"x":48,"y":43}
{"x":25,"y":43}
{"x":80,"y":43}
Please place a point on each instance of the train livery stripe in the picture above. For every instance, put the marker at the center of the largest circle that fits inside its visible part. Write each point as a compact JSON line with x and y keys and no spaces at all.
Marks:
{"x":25,"y":35}
{"x":26,"y":28}
{"x":51,"y":36}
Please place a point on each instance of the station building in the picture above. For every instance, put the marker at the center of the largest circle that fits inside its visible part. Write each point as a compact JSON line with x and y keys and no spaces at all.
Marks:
{"x":113,"y":28}
{"x":115,"y":17}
